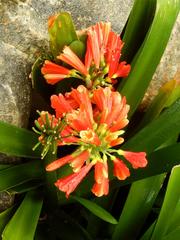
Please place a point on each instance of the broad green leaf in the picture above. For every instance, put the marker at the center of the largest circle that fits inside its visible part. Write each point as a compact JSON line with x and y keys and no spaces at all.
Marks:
{"x":137,"y":206}
{"x":17,"y":141}
{"x":171,"y":200}
{"x":160,"y":102}
{"x":174,"y":235}
{"x":61,"y":32}
{"x":96,"y":210}
{"x":21,"y":173}
{"x":139,"y":21}
{"x":150,"y":52}
{"x":24,"y":222}
{"x":175,"y":219}
{"x":4,"y":166}
{"x":157,"y":132}
{"x":147,"y":235}
{"x":4,"y":218}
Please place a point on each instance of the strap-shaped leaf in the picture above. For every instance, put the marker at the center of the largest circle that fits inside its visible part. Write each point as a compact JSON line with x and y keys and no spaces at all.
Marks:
{"x":166,"y":126}
{"x":96,"y":210}
{"x":4,"y":218}
{"x":26,"y":186}
{"x":173,"y":235}
{"x":171,"y":201}
{"x":24,"y":222}
{"x":149,"y":55}
{"x":17,"y":141}
{"x":138,"y":204}
{"x":139,"y":21}
{"x":21,"y":173}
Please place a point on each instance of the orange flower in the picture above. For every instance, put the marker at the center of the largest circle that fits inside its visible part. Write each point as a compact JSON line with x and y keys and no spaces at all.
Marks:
{"x":121,"y":171}
{"x":112,"y":56}
{"x":68,"y":184}
{"x":54,"y":73}
{"x":69,"y":57}
{"x":137,"y":159}
{"x":101,"y":186}
{"x":101,"y":65}
{"x":95,"y":127}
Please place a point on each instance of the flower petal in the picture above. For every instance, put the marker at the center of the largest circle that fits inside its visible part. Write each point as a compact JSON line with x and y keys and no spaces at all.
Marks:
{"x":68,"y":184}
{"x":137,"y":159}
{"x":100,"y":189}
{"x":121,"y":171}
{"x":59,"y":163}
{"x":69,"y":57}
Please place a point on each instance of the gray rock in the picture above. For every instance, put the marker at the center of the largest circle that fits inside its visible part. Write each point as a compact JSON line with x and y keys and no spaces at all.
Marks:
{"x":6,"y":200}
{"x":14,"y":85}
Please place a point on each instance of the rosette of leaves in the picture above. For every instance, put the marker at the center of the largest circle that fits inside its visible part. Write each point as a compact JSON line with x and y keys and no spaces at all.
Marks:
{"x":145,"y":205}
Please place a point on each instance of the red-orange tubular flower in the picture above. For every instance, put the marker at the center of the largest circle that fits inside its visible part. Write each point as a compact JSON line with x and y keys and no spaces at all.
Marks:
{"x":101,"y":65}
{"x":94,"y":122}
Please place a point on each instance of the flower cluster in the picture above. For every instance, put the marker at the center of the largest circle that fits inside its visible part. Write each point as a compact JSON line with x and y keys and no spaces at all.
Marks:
{"x":91,"y":117}
{"x":94,"y":122}
{"x":101,"y":66}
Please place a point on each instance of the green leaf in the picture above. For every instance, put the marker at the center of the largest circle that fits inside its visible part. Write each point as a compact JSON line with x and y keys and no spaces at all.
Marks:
{"x":157,"y":132}
{"x":4,"y":218}
{"x":160,"y":102}
{"x":137,"y":207}
{"x":174,"y":235}
{"x":21,"y":173}
{"x":147,"y":235}
{"x":23,"y":223}
{"x":175,"y":219}
{"x":172,"y":198}
{"x":149,"y":55}
{"x":4,"y":166}
{"x":96,"y":210}
{"x":27,"y":186}
{"x":17,"y":141}
{"x":61,"y":32}
{"x":139,"y":21}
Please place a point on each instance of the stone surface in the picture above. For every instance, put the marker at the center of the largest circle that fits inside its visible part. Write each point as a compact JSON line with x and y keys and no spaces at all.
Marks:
{"x":6,"y":200}
{"x":14,"y":85}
